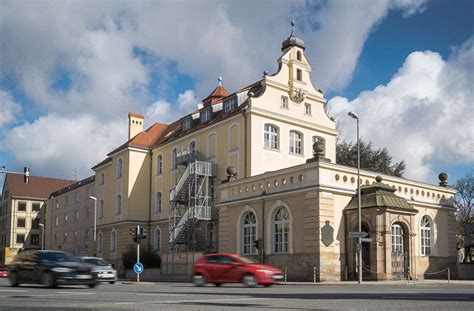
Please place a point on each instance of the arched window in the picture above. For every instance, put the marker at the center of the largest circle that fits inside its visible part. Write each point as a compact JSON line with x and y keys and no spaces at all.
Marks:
{"x":281,"y":230}
{"x":113,"y":241}
{"x":425,"y":236}
{"x":159,"y":165}
{"x":298,"y":55}
{"x":119,"y":168}
{"x":397,"y":239}
{"x":158,"y":202}
{"x":270,"y":136}
{"x":249,"y":233}
{"x":100,"y":243}
{"x":118,"y":205}
{"x":296,"y":145}
{"x":157,"y":240}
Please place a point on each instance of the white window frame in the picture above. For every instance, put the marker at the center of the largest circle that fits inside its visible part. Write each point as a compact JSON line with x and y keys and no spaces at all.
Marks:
{"x":397,"y":239}
{"x":426,"y":234}
{"x":270,"y":136}
{"x":296,"y":142}
{"x":307,"y":109}
{"x":230,"y":104}
{"x":206,"y":115}
{"x":174,"y":158}
{"x":249,"y":233}
{"x":281,"y":230}
{"x":186,"y":123}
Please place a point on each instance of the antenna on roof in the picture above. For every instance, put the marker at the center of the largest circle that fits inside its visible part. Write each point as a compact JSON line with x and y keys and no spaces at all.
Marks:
{"x":220,"y":80}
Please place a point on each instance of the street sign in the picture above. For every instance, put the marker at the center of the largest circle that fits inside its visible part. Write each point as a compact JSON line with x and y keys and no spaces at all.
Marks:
{"x":138,"y":268}
{"x":367,"y":240}
{"x":356,"y":234}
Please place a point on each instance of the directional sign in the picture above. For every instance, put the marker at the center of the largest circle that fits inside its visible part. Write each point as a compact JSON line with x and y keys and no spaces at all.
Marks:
{"x":138,"y":268}
{"x":367,"y":240}
{"x":361,"y":234}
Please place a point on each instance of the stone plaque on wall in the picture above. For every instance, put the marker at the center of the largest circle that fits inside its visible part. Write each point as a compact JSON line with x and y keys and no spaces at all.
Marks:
{"x":327,"y":234}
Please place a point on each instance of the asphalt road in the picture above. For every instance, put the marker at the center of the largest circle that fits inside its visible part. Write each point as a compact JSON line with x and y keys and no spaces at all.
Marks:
{"x":180,"y":296}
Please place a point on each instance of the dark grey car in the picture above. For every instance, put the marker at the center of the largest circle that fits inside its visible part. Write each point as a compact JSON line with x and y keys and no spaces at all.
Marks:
{"x":50,"y":268}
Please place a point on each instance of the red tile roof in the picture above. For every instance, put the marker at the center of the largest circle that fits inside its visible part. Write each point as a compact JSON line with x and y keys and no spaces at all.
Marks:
{"x":216,"y":96}
{"x":144,"y":139}
{"x":136,"y":115}
{"x":37,"y":187}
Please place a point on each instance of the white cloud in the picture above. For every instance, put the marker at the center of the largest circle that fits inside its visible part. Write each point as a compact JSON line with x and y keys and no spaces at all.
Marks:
{"x":423,"y":115}
{"x":9,"y":109}
{"x":55,"y":146}
{"x":165,"y":112}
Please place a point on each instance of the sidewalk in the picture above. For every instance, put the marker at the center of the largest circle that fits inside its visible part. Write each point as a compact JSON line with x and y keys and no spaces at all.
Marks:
{"x":398,"y":282}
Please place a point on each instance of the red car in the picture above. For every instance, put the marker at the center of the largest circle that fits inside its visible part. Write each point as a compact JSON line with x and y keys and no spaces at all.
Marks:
{"x":3,"y":271}
{"x":231,"y":268}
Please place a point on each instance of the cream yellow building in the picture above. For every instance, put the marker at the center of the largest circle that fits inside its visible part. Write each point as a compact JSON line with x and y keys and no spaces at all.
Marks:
{"x":236,"y":170}
{"x":69,"y":213}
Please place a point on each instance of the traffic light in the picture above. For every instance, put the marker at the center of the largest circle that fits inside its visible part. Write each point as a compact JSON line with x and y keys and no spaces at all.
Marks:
{"x":133,"y":233}
{"x":142,"y":234}
{"x":26,"y":174}
{"x":257,"y":244}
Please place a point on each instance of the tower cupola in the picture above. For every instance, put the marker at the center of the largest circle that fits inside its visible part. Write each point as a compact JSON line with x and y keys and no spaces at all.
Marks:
{"x":292,"y":40}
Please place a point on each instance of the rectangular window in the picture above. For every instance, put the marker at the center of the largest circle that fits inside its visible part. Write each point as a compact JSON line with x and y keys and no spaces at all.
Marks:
{"x":56,"y":221}
{"x":230,"y":104}
{"x":89,"y":192}
{"x":35,"y":224}
{"x":88,"y":213}
{"x":206,"y":115}
{"x":77,"y":196}
{"x":299,"y":75}
{"x":159,"y":165}
{"x":65,"y":218}
{"x":284,"y":102}
{"x":20,"y":238}
{"x":66,"y":199}
{"x":186,"y":124}
{"x":270,"y":137}
{"x":101,"y":209}
{"x":21,"y":223}
{"x":86,"y":234}
{"x":296,"y":143}
{"x":65,"y":237}
{"x":34,"y":239}
{"x":75,"y":235}
{"x":36,"y":207}
{"x":76,"y":215}
{"x":307,"y":109}
{"x":22,"y":206}
{"x":102,"y":179}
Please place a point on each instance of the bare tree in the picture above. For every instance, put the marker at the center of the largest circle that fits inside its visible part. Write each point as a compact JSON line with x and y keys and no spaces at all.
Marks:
{"x":464,"y":203}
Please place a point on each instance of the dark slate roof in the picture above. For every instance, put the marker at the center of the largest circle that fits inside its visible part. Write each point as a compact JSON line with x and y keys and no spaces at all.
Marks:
{"x":379,"y":195}
{"x":74,"y":186}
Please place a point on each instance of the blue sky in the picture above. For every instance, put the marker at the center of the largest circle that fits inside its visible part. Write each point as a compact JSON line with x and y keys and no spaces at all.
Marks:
{"x":70,"y":73}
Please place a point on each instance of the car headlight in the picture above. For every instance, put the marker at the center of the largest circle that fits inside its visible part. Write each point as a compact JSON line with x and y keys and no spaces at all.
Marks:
{"x":61,"y":270}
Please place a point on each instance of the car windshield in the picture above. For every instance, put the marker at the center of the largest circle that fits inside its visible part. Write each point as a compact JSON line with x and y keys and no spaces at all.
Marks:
{"x":246,"y":260}
{"x":57,"y":257}
{"x":95,"y":261}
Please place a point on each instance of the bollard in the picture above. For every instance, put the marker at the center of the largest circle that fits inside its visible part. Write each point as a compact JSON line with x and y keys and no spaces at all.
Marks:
{"x":314,"y":274}
{"x":449,"y":275}
{"x":286,"y":272}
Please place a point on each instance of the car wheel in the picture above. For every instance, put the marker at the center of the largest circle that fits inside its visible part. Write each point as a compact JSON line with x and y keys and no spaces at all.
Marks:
{"x":13,"y":278}
{"x":112,"y":282}
{"x":249,"y":280}
{"x":199,"y":280}
{"x":268,"y":284}
{"x":218,"y":284}
{"x":47,"y":279}
{"x":92,"y":285}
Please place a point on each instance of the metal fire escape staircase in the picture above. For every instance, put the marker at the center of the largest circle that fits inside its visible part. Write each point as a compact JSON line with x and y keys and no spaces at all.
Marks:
{"x":190,"y":199}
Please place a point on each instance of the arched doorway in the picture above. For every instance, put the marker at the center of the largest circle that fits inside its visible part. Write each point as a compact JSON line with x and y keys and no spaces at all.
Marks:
{"x":400,"y":251}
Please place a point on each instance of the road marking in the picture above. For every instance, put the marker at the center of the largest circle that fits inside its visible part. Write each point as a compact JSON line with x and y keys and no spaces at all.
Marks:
{"x":189,"y":301}
{"x":13,"y":290}
{"x":170,"y":295}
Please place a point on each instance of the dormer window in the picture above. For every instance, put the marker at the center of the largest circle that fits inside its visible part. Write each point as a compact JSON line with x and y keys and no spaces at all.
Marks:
{"x":206,"y":115}
{"x":186,"y":124}
{"x":230,"y":104}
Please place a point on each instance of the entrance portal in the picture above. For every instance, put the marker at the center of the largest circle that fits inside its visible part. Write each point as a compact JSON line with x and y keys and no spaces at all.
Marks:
{"x":400,"y":255}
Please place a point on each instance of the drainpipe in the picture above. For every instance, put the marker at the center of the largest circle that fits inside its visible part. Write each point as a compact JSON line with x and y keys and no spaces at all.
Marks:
{"x":149,"y":199}
{"x":244,"y":114}
{"x":262,"y":259}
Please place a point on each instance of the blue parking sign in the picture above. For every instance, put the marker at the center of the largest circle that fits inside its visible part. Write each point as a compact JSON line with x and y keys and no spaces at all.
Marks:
{"x":138,"y":268}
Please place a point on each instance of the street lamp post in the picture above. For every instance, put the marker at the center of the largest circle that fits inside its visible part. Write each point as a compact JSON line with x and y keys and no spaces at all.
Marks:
{"x":95,"y":216}
{"x":359,"y":246}
{"x":42,"y":236}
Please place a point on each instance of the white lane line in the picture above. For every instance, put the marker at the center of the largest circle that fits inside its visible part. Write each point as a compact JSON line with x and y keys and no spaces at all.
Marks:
{"x":61,"y":293}
{"x":169,"y":295}
{"x":75,"y":293}
{"x":189,"y":301}
{"x":13,"y":290}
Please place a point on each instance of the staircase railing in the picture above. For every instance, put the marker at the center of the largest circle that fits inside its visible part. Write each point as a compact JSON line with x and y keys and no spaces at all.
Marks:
{"x":175,"y":191}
